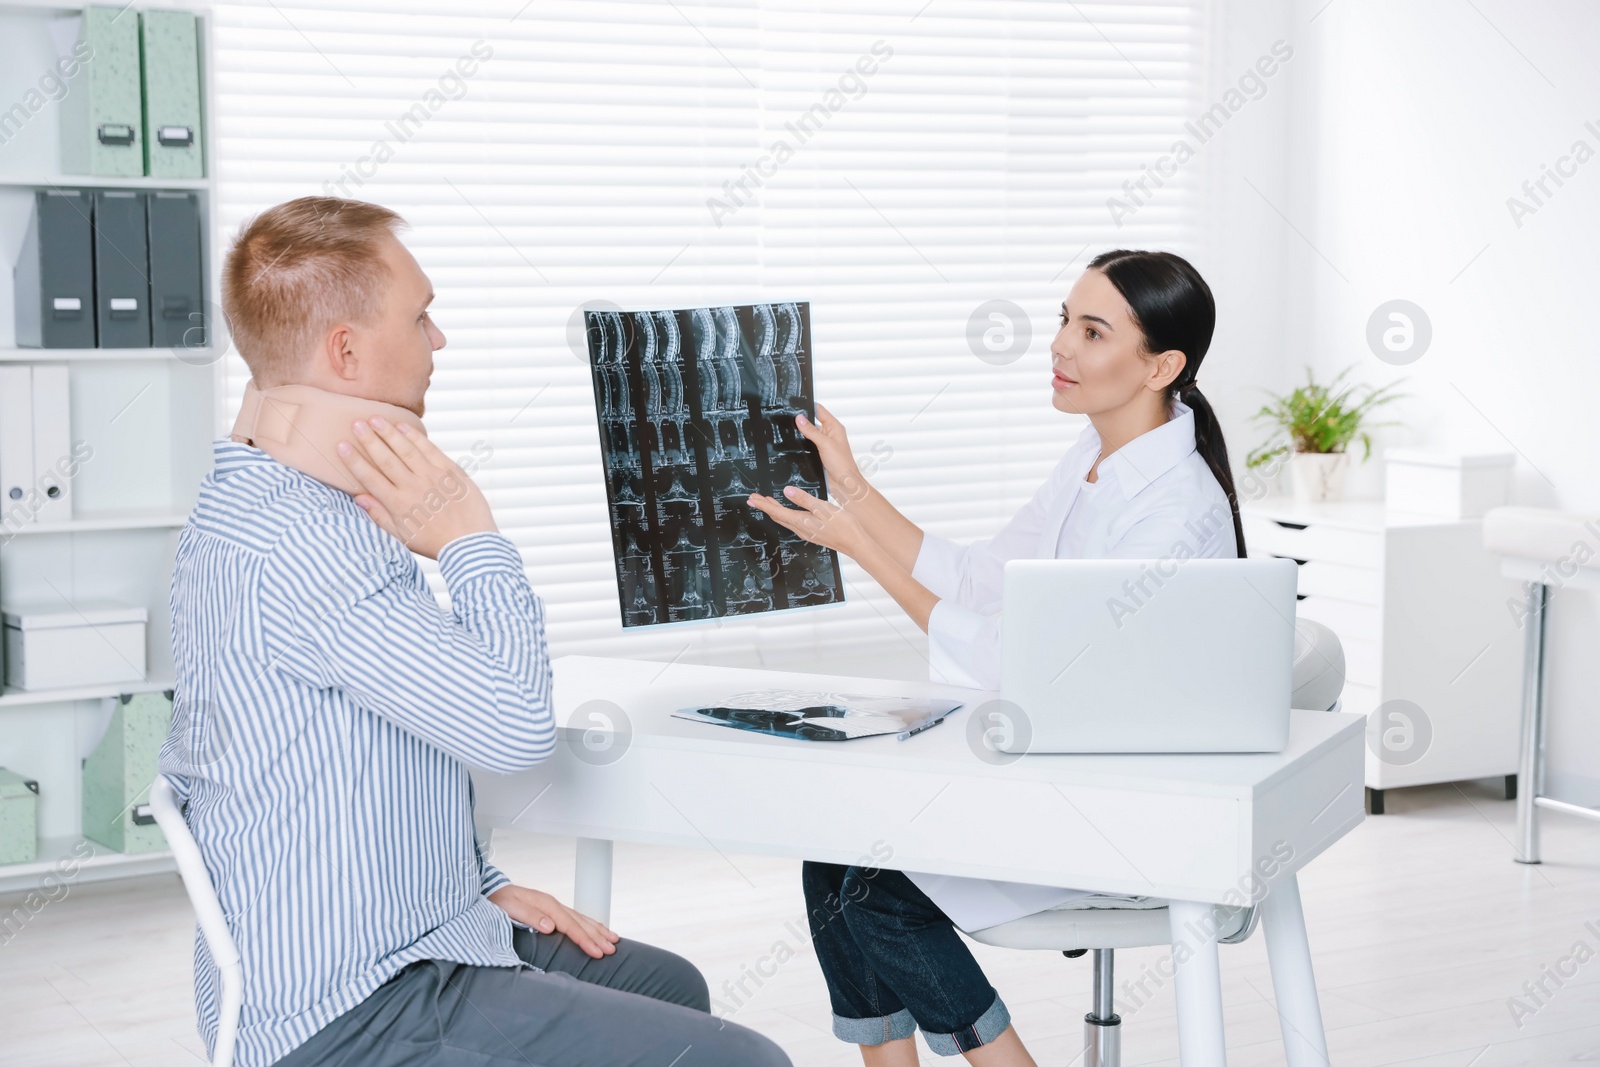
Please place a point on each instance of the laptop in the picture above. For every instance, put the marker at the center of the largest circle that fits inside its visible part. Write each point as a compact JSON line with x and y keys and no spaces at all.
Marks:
{"x":1148,"y":655}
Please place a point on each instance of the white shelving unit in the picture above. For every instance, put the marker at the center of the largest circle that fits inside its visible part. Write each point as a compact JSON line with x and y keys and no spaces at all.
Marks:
{"x":102,"y":355}
{"x":149,"y":414}
{"x":76,"y":860}
{"x":1420,"y":607}
{"x":84,"y":181}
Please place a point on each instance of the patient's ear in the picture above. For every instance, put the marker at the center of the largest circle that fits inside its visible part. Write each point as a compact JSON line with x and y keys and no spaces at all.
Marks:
{"x":339,"y":351}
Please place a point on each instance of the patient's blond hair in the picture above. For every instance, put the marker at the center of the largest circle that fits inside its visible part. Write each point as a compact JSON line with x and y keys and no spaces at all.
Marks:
{"x":295,"y":271}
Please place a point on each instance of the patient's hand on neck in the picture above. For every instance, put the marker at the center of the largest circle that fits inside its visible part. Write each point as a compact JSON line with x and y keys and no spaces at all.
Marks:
{"x":412,"y":489}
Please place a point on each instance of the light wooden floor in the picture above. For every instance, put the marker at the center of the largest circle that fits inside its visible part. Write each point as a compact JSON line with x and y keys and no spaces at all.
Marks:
{"x":1421,"y":926}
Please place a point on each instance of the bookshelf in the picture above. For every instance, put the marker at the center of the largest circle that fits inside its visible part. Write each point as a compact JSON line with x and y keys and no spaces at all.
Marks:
{"x":148,"y":413}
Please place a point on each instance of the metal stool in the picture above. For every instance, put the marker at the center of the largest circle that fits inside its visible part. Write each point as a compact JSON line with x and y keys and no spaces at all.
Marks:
{"x":1539,"y":548}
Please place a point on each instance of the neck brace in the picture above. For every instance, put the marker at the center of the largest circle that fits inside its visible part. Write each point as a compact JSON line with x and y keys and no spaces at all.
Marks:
{"x":301,"y":426}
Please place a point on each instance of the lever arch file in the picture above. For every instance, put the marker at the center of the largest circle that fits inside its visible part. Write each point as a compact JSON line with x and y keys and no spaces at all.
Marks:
{"x":52,"y":442}
{"x":16,"y":445}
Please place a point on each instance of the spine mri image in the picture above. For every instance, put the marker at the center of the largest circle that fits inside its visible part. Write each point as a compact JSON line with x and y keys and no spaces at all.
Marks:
{"x":697,"y":411}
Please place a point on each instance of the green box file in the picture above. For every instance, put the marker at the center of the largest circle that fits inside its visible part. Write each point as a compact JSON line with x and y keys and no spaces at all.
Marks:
{"x":118,"y":773}
{"x":102,"y":124}
{"x":19,"y":818}
{"x":170,"y":48}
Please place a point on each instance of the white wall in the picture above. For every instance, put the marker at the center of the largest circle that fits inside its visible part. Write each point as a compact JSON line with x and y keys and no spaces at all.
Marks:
{"x":1246,"y":242}
{"x":1410,"y":126}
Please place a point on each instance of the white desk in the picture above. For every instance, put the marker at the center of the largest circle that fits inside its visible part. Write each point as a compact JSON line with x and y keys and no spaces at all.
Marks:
{"x":1186,"y":828}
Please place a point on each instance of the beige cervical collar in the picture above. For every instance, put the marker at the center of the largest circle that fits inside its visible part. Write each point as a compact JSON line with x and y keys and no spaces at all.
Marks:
{"x":301,"y":426}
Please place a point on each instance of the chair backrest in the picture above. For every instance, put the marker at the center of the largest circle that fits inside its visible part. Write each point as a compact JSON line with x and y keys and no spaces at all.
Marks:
{"x":1318,"y":676}
{"x":208,"y":909}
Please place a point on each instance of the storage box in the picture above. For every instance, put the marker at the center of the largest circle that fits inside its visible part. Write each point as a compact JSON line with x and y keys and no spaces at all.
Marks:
{"x":1449,"y":485}
{"x":170,"y":52}
{"x":92,"y":645}
{"x":102,"y":116}
{"x":19,"y":818}
{"x":118,"y":773}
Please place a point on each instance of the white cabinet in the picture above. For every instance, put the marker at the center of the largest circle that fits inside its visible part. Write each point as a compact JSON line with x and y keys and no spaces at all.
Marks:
{"x":1431,"y":631}
{"x":141,"y":422}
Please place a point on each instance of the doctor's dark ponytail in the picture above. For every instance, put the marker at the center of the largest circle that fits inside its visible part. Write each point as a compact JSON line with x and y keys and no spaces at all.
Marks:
{"x":1173,"y":306}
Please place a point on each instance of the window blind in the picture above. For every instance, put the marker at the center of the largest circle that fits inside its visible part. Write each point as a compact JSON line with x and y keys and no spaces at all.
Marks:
{"x":900,"y":164}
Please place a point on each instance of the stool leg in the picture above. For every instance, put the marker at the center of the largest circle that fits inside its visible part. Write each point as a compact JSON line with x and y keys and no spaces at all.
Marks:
{"x":1531,"y":776}
{"x":1102,"y":1029}
{"x":1199,"y":985}
{"x":1283,"y":921}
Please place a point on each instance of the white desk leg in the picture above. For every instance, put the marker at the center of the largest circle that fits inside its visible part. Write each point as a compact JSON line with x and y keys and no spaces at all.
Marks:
{"x":1283,"y":921}
{"x":591,"y":890}
{"x":1199,"y":985}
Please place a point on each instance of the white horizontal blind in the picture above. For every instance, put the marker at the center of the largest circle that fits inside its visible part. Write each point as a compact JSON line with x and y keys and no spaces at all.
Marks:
{"x":936,"y":156}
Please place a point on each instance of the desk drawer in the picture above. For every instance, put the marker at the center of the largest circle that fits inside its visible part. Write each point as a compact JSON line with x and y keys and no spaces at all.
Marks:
{"x":1341,"y":582}
{"x":1336,"y":544}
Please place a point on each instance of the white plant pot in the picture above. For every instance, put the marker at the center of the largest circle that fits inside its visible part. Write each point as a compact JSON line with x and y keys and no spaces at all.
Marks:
{"x":1318,"y":477}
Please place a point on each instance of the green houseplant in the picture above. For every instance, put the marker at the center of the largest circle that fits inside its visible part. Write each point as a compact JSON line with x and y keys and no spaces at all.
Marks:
{"x":1315,"y":425}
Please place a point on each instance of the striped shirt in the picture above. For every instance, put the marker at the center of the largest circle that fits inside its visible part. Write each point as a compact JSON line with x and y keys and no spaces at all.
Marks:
{"x":325,"y":712}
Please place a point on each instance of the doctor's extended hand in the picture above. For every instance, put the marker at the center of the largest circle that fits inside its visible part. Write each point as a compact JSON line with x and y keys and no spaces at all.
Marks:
{"x":413,"y":490}
{"x":846,"y":483}
{"x":544,"y":913}
{"x":818,"y":521}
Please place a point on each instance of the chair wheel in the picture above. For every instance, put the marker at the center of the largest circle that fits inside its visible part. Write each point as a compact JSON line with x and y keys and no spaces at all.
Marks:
{"x":1073,"y":953}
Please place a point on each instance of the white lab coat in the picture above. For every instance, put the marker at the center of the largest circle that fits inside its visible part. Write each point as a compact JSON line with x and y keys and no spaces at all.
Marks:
{"x":1154,"y":498}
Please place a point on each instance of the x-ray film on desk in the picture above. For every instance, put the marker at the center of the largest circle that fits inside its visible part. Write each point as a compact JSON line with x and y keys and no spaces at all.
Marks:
{"x":697,"y":411}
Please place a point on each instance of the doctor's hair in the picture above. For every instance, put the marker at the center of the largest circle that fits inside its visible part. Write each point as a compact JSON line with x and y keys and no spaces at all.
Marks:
{"x":295,"y":271}
{"x":1173,"y":307}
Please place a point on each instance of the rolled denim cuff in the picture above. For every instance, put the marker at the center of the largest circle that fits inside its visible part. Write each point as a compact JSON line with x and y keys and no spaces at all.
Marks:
{"x":877,"y":1030}
{"x":990,"y":1025}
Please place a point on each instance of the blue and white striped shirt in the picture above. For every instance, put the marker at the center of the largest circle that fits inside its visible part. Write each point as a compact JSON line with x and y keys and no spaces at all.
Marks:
{"x":325,"y":712}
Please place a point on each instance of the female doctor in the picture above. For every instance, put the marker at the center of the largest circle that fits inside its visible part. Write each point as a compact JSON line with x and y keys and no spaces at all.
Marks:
{"x":1148,"y":479}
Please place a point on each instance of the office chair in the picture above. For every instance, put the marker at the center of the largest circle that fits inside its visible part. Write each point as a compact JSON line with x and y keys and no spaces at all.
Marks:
{"x":1105,"y":924}
{"x":213,"y":926}
{"x":1540,"y":547}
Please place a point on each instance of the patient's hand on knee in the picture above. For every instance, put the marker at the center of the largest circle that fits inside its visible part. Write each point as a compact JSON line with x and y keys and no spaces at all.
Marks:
{"x":544,"y":913}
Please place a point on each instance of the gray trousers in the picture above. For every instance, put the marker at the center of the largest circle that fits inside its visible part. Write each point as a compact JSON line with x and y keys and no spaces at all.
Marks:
{"x":640,"y":1007}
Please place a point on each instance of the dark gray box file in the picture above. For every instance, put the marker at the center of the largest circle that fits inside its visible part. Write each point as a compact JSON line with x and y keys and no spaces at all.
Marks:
{"x":54,"y":276}
{"x":121,"y":269}
{"x":177,"y":304}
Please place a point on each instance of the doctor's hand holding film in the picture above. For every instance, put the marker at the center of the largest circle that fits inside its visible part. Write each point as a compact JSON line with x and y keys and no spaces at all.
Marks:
{"x":825,"y":522}
{"x":858,"y":521}
{"x":848,"y":492}
{"x":846,"y":484}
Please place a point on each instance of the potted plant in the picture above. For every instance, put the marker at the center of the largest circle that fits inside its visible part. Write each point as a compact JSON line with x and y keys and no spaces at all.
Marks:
{"x":1317,"y":424}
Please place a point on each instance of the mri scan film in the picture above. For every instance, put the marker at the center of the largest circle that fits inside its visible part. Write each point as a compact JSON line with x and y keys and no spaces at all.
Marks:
{"x":697,"y":411}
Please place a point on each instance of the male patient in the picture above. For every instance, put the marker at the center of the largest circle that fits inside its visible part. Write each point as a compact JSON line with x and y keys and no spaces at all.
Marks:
{"x":327,"y":710}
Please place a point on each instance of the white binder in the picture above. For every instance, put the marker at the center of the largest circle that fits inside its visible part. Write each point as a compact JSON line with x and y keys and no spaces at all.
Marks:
{"x":16,"y":446}
{"x":52,"y":442}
